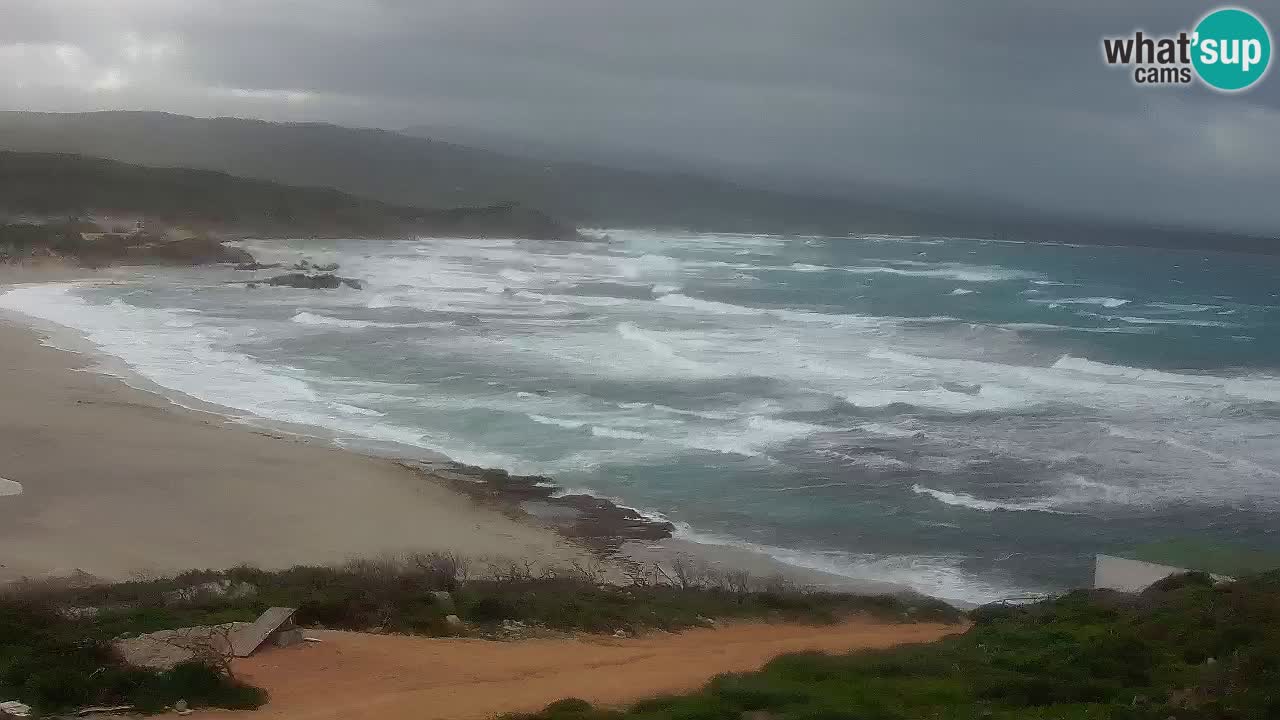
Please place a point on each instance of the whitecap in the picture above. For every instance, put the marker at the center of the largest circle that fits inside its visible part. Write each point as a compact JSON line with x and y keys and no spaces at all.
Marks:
{"x":649,"y":341}
{"x":1187,"y":322}
{"x":935,"y":575}
{"x":514,"y":275}
{"x":356,"y":410}
{"x":1179,"y":307}
{"x":558,"y":422}
{"x":719,"y":308}
{"x":951,"y":271}
{"x":617,"y":433}
{"x":966,"y":500}
{"x":307,"y":318}
{"x":10,"y":487}
{"x":806,"y":268}
{"x":1106,"y":302}
{"x":819,"y":486}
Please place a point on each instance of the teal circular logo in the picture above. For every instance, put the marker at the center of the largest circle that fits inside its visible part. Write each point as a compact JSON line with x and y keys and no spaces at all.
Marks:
{"x":1232,"y":49}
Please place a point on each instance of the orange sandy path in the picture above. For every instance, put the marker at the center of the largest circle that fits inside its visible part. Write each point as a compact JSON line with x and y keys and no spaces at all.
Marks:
{"x":354,"y":676}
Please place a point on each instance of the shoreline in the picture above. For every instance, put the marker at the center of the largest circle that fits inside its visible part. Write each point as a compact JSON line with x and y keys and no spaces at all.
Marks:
{"x":580,"y":525}
{"x":119,"y":482}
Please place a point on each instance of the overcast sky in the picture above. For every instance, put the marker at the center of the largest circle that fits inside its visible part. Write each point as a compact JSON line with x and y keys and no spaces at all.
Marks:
{"x":1003,"y":99}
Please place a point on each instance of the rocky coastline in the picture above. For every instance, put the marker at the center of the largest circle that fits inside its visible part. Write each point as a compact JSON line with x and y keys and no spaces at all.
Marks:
{"x":598,"y":523}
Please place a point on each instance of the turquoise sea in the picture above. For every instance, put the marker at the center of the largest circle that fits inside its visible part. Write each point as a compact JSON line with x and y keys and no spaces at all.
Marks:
{"x":972,"y":418}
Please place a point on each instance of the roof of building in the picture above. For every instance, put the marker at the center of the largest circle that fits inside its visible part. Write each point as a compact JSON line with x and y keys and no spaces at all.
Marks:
{"x":249,"y":638}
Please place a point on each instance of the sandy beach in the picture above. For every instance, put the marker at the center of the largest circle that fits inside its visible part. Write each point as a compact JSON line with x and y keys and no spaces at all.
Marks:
{"x":117,"y":482}
{"x":99,"y":476}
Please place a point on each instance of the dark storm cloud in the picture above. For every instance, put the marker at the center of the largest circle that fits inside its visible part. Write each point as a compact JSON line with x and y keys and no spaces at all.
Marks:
{"x":1007,"y":100}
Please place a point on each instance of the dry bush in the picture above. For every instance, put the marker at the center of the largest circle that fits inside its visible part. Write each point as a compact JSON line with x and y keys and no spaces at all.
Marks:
{"x":443,"y":570}
{"x":210,"y":646}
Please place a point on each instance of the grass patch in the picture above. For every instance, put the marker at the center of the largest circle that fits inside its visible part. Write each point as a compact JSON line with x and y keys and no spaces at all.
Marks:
{"x":1185,"y":648}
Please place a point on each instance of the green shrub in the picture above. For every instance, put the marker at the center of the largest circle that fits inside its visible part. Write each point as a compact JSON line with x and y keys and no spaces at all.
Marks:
{"x":492,"y":609}
{"x":1087,"y":655}
{"x":54,"y":663}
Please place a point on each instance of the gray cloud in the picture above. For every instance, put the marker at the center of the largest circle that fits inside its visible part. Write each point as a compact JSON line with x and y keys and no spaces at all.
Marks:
{"x":1008,"y":100}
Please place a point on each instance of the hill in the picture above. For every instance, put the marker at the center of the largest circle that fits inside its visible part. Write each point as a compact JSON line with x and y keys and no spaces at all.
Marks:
{"x":1184,"y":648}
{"x":71,"y":185}
{"x":403,"y":169}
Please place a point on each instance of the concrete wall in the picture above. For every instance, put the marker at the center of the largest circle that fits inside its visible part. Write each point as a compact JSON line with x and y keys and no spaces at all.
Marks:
{"x":1116,"y":573}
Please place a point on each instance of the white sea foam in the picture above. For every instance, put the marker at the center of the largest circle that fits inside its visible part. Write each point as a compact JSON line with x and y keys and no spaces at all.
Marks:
{"x":1180,"y":307}
{"x":519,"y":276}
{"x":888,"y":430}
{"x":1106,"y":302}
{"x":1251,"y":387}
{"x":1067,"y":495}
{"x":754,"y":436}
{"x":801,"y":488}
{"x":1188,"y":446}
{"x":806,"y":268}
{"x":867,"y":461}
{"x":1071,"y":328}
{"x":950,"y":271}
{"x":558,"y":422}
{"x":719,"y":308}
{"x":10,"y":487}
{"x":588,"y":300}
{"x":1188,"y":322}
{"x":357,"y":410}
{"x":740,"y":376}
{"x":618,"y":433}
{"x":935,"y":575}
{"x":649,"y":341}
{"x":961,"y":291}
{"x":189,"y":361}
{"x":307,"y":318}
{"x":966,"y":500}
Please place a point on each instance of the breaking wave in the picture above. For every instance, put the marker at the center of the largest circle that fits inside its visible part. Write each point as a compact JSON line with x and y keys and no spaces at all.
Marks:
{"x":965,"y":500}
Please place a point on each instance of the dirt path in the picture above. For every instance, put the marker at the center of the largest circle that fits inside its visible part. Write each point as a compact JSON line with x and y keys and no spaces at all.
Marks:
{"x":354,"y":676}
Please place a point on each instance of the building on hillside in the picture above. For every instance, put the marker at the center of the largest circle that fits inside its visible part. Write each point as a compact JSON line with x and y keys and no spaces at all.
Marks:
{"x":1117,"y":573}
{"x":1137,"y":569}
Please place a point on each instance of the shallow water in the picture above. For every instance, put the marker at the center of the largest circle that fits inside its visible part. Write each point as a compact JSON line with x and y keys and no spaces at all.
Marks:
{"x":975,"y":419}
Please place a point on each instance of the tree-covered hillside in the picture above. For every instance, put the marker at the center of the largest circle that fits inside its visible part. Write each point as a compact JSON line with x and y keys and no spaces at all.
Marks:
{"x":71,"y":185}
{"x":420,"y":172}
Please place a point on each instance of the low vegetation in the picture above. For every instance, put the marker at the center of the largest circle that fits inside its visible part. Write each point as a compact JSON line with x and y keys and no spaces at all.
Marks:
{"x":55,"y":637}
{"x":1185,"y":648}
{"x":56,"y":663}
{"x":405,"y":595}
